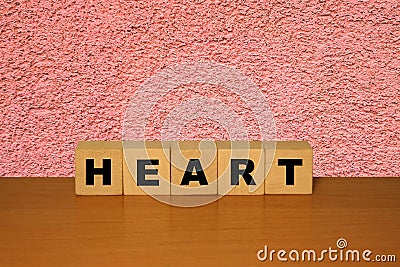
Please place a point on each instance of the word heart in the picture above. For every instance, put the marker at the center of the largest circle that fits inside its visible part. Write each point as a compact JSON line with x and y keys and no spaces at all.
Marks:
{"x":193,"y":167}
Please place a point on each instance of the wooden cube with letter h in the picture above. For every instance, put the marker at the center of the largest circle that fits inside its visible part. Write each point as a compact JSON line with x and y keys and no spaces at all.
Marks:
{"x":291,"y":171}
{"x":146,"y":168}
{"x":240,"y":168}
{"x":98,"y":167}
{"x":193,"y":168}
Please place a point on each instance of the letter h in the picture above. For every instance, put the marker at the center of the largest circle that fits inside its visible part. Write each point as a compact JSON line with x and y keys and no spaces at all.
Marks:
{"x":91,"y":171}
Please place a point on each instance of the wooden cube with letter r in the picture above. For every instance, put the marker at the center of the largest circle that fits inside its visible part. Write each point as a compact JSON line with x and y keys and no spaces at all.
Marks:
{"x":240,"y":168}
{"x":98,"y":168}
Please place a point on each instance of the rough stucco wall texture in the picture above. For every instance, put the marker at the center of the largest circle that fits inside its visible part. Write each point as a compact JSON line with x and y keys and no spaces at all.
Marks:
{"x":329,"y":69}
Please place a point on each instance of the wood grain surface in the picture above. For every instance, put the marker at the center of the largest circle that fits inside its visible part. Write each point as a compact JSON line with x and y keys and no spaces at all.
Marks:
{"x":43,"y":223}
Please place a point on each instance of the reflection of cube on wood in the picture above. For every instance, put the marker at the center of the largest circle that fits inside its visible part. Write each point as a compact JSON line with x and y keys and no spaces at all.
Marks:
{"x":291,"y":171}
{"x":146,"y":168}
{"x":98,"y":168}
{"x":240,"y":168}
{"x":193,"y":168}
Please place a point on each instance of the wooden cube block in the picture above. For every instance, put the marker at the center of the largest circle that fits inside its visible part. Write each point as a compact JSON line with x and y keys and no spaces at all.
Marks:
{"x":146,"y":168}
{"x":193,"y":168}
{"x":292,"y":168}
{"x":98,"y":167}
{"x":240,"y":168}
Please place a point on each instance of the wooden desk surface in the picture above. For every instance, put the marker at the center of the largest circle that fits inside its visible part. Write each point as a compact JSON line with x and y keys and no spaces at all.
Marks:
{"x":43,"y":223}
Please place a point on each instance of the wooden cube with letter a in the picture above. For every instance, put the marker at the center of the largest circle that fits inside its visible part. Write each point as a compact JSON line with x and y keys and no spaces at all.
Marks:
{"x":146,"y":167}
{"x":193,"y":168}
{"x":98,"y":167}
{"x":292,"y":168}
{"x":240,"y":168}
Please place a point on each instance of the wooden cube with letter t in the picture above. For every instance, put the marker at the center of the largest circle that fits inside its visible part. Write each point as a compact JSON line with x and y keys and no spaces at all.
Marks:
{"x":193,"y":168}
{"x":146,"y":167}
{"x":98,"y":167}
{"x":240,"y":168}
{"x":291,"y":171}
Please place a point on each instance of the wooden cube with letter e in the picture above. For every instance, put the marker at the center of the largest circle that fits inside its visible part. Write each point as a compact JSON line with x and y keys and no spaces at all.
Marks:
{"x":146,"y":167}
{"x":291,"y":171}
{"x":98,"y":167}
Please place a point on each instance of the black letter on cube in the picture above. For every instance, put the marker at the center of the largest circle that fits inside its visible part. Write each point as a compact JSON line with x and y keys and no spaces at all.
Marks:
{"x":290,"y":163}
{"x":91,"y":171}
{"x":194,"y":164}
{"x":245,"y":173}
{"x":141,"y":172}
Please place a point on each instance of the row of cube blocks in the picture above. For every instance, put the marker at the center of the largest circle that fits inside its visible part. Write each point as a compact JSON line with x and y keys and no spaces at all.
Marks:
{"x":193,"y":167}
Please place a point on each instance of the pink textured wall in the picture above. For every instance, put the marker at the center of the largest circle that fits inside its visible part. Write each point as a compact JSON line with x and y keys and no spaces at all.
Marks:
{"x":329,"y":69}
